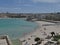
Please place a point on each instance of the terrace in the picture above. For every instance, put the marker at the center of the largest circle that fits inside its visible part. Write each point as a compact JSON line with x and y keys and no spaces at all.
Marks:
{"x":4,"y":40}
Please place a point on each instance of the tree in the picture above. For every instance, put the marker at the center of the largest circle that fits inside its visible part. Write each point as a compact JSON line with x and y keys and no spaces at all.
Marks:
{"x":37,"y":39}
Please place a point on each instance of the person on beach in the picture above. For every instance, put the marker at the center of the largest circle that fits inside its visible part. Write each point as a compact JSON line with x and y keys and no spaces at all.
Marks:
{"x":44,"y":28}
{"x":26,"y":43}
{"x":45,"y":33}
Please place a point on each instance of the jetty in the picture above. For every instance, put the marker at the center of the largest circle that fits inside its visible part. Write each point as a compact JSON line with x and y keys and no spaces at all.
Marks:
{"x":5,"y":40}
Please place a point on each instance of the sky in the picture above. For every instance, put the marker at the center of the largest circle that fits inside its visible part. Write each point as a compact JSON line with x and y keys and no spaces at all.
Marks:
{"x":29,"y":6}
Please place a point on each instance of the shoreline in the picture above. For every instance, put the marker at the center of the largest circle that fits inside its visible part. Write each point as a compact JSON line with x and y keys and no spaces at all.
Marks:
{"x":40,"y":25}
{"x":39,"y":32}
{"x":33,"y":32}
{"x":30,"y":33}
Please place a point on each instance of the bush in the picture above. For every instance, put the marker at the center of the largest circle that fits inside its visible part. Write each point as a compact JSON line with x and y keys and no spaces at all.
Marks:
{"x":37,"y":39}
{"x":56,"y":38}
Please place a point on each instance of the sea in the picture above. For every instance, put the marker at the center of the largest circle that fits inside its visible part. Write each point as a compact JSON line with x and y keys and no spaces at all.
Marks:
{"x":16,"y":27}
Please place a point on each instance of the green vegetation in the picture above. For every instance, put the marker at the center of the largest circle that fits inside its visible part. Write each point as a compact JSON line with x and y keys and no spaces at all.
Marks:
{"x":16,"y":42}
{"x":56,"y":38}
{"x":37,"y":39}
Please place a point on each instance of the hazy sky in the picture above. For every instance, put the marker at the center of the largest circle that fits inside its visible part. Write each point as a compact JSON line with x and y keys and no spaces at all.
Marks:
{"x":29,"y":6}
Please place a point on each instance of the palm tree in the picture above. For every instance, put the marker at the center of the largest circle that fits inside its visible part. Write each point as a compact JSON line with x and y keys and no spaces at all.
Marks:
{"x":53,"y":34}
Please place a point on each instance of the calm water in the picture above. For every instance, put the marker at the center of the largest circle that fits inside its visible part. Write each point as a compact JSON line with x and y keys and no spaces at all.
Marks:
{"x":16,"y":27}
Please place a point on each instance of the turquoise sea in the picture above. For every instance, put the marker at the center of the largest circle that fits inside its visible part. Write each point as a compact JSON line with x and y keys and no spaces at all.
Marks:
{"x":16,"y":27}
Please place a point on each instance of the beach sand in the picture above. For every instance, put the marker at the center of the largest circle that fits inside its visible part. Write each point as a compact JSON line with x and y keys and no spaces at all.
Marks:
{"x":41,"y":32}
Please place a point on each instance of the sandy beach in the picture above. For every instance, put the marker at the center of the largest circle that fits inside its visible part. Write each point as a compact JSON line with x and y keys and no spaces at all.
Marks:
{"x":44,"y":29}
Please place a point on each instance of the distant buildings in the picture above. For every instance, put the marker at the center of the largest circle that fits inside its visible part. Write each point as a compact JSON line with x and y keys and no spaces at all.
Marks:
{"x":38,"y":16}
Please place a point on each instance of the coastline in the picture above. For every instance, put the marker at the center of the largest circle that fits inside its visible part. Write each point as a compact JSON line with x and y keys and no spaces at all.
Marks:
{"x":30,"y":33}
{"x":33,"y":32}
{"x":39,"y":27}
{"x":39,"y":32}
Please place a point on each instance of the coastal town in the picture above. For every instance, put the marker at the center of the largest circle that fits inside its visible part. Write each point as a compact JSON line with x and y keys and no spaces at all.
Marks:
{"x":29,"y":22}
{"x":47,"y":33}
{"x":32,"y":16}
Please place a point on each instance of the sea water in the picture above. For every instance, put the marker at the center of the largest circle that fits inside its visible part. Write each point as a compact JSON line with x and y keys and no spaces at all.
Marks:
{"x":16,"y":27}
